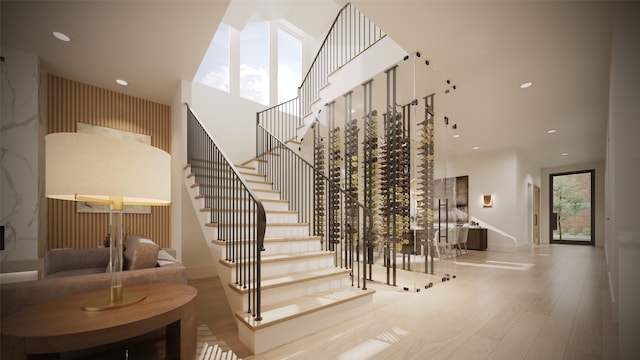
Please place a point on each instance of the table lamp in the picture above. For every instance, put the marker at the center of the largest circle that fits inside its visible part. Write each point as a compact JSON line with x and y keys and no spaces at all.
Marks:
{"x":107,"y":170}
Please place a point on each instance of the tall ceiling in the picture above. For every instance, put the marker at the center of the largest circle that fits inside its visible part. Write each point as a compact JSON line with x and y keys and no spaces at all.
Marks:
{"x":487,"y":48}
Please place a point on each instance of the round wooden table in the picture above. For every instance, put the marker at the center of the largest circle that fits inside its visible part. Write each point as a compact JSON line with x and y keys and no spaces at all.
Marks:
{"x":61,"y":325}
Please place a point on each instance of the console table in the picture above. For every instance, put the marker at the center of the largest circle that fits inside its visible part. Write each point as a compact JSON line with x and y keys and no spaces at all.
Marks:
{"x":477,"y":239}
{"x":61,"y":325}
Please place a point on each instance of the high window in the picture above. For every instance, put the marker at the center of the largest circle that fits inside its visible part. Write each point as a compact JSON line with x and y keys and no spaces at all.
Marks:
{"x":268,"y":62}
{"x":214,"y":69}
{"x":254,"y":62}
{"x":289,"y":65}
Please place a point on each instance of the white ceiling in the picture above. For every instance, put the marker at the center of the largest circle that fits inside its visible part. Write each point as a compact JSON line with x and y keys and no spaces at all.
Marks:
{"x":151,"y":44}
{"x":489,"y":48}
{"x":486,"y":48}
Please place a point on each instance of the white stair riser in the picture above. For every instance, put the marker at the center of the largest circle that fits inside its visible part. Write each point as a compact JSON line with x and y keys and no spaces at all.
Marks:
{"x":284,"y":247}
{"x":210,"y":232}
{"x":271,"y":337}
{"x":267,"y":195}
{"x":282,"y":218}
{"x":270,"y":269}
{"x":272,"y":230}
{"x":231,"y":203}
{"x":260,"y":185}
{"x":235,"y":205}
{"x":297,"y":265}
{"x":278,"y":294}
{"x":276,"y":231}
{"x":254,"y":177}
{"x":281,"y":293}
{"x":204,"y":177}
{"x":247,"y":217}
{"x":276,"y":205}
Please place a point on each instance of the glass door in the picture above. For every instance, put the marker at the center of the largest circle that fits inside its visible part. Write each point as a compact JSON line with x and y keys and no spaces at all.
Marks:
{"x":572,"y":208}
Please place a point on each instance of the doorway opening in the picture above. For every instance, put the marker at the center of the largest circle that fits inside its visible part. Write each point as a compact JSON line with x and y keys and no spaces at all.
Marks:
{"x":572,"y":208}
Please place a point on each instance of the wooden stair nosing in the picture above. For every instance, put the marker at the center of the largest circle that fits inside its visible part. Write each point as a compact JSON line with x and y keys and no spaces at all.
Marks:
{"x":272,"y":201}
{"x":246,"y":180}
{"x":292,"y":238}
{"x":279,"y":212}
{"x":267,"y":191}
{"x":228,"y":171}
{"x":268,"y":224}
{"x":218,"y":163}
{"x":291,"y":279}
{"x":304,"y":305}
{"x":252,"y":159}
{"x":265,"y":259}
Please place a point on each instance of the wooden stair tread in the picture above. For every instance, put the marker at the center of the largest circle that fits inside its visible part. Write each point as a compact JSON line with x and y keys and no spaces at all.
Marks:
{"x":277,"y":201}
{"x":271,"y":224}
{"x":261,"y":182}
{"x":266,"y":258}
{"x":279,"y":312}
{"x":267,"y":211}
{"x":292,"y":238}
{"x":294,"y":278}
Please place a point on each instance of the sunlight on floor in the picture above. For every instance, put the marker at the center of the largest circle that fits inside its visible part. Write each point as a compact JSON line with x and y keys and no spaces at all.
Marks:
{"x":370,"y":347}
{"x":499,"y":265}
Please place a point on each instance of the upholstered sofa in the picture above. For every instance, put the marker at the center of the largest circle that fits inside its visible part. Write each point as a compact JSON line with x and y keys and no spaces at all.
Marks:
{"x":72,"y":271}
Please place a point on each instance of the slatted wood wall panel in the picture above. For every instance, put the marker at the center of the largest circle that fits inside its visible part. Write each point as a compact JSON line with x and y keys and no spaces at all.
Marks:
{"x":70,"y":102}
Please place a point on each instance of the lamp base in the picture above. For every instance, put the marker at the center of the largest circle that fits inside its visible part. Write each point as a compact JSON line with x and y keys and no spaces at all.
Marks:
{"x":117,"y":298}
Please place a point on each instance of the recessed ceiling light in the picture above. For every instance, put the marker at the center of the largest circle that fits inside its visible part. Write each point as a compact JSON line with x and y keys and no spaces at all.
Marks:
{"x":526,"y":85}
{"x":564,"y":154}
{"x":456,"y":136}
{"x":551,"y":131}
{"x":122,"y":82}
{"x":62,"y":37}
{"x":476,"y":147}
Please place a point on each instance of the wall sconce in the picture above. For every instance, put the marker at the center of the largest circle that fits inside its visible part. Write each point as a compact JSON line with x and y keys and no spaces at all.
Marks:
{"x":487,"y":201}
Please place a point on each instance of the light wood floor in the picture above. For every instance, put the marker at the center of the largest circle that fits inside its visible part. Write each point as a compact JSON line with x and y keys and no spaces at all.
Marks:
{"x":549,"y":302}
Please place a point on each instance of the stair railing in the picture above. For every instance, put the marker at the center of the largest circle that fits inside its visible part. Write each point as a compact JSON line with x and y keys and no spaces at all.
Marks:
{"x":294,"y":177}
{"x":350,"y":34}
{"x":236,"y":210}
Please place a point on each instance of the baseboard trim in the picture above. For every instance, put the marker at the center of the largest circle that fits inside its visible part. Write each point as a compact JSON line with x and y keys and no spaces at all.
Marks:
{"x":199,"y":272}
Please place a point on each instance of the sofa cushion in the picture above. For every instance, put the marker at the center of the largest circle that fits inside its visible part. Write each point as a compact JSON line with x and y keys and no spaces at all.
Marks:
{"x":76,"y":272}
{"x":140,"y":253}
{"x":63,"y":260}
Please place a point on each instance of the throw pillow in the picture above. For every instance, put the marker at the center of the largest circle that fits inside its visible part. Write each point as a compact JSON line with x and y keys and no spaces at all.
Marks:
{"x":140,"y":253}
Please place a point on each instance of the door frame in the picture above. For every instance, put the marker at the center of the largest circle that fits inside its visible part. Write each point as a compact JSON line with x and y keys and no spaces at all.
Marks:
{"x":536,"y":215}
{"x":592,"y":242}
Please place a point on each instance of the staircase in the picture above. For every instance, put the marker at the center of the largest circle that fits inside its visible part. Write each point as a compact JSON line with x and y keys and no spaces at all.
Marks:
{"x":302,"y":291}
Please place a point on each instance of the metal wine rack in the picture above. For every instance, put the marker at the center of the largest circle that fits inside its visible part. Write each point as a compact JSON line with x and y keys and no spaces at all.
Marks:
{"x":351,"y":186}
{"x":335,"y":165}
{"x":425,"y":172}
{"x":371,"y":173}
{"x":319,"y":183}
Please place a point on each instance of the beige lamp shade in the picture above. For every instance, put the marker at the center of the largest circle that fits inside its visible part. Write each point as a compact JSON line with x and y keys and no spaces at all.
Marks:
{"x":97,"y":168}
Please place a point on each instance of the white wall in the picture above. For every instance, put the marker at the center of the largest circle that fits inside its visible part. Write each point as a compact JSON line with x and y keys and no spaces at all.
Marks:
{"x":186,"y":236}
{"x":492,"y":173}
{"x":623,"y":177}
{"x":526,"y":173}
{"x":20,"y":131}
{"x":231,"y":120}
{"x":599,"y":168}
